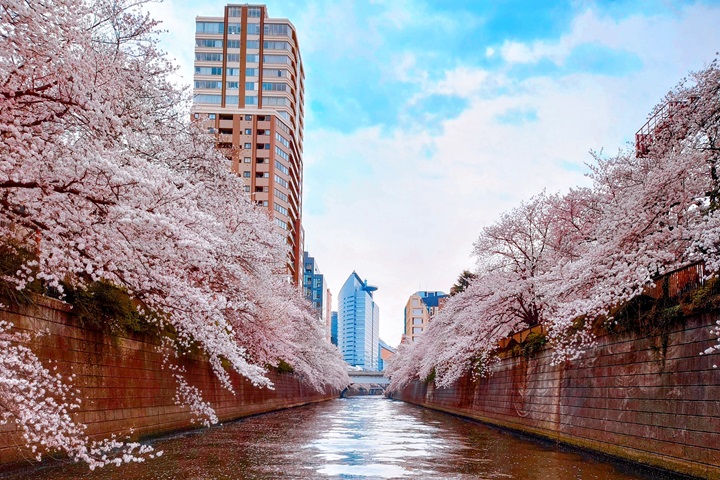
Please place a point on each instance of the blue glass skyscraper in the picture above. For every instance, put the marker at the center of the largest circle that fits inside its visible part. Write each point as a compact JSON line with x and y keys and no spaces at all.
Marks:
{"x":358,"y":323}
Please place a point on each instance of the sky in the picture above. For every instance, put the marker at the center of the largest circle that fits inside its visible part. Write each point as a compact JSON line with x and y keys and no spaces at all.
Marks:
{"x":425,"y":120}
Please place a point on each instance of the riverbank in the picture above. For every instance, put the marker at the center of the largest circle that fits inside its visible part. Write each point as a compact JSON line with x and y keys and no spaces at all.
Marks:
{"x":126,"y":385}
{"x":655,"y":401}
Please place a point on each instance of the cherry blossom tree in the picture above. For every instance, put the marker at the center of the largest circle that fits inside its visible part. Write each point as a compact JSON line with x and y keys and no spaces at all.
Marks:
{"x":104,"y":177}
{"x":569,"y":261}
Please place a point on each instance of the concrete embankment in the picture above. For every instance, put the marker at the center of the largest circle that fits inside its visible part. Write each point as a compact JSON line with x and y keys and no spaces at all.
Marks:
{"x":646,"y":399}
{"x":125,"y":388}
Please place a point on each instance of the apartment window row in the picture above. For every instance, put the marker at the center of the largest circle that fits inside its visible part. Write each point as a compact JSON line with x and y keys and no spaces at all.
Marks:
{"x":283,"y":127}
{"x":282,"y":59}
{"x":270,"y":45}
{"x":208,"y":57}
{"x":274,"y":87}
{"x":262,"y":174}
{"x":281,"y":181}
{"x":254,"y":12}
{"x":274,"y":72}
{"x":234,"y":11}
{"x":282,"y":167}
{"x":282,"y":196}
{"x":208,"y":43}
{"x":277,"y":29}
{"x":281,"y":224}
{"x":276,"y":101}
{"x":280,"y":209}
{"x":282,"y":154}
{"x":282,"y":140}
{"x":210,"y":27}
{"x":208,"y":84}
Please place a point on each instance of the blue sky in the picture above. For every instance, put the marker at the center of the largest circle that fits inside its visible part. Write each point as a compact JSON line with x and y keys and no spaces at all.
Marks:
{"x":426,"y":120}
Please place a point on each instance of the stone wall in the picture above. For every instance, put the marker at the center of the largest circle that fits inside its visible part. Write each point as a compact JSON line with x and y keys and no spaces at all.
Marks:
{"x":628,"y":398}
{"x":123,"y":383}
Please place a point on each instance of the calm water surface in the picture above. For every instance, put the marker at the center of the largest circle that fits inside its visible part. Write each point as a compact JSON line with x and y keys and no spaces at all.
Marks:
{"x":357,"y":438}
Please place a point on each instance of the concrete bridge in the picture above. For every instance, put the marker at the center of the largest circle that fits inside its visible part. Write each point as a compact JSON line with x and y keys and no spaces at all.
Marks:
{"x":368,"y":377}
{"x":366,"y":383}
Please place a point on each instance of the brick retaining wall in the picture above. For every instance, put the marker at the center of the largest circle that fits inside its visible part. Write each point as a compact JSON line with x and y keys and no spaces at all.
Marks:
{"x":625,"y":398}
{"x":123,"y":385}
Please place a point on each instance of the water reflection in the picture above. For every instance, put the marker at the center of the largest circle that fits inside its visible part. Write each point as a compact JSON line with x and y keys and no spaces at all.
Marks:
{"x":356,"y":438}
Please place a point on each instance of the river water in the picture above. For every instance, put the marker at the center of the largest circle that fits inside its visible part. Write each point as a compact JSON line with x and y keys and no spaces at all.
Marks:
{"x":356,"y":438}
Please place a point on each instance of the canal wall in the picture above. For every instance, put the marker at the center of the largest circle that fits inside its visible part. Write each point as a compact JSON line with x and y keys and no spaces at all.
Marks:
{"x":629,"y":397}
{"x":125,"y":388}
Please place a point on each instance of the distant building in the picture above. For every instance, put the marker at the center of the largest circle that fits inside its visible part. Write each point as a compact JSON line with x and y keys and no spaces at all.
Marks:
{"x":385,"y":353}
{"x":315,"y":287}
{"x":328,"y":316}
{"x":420,"y":308}
{"x":334,"y":328}
{"x":358,"y":323}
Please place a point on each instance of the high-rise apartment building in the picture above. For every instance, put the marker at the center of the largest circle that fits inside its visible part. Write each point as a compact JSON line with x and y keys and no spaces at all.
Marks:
{"x":358,"y":323}
{"x":315,"y":288}
{"x":249,"y":93}
{"x":420,"y":308}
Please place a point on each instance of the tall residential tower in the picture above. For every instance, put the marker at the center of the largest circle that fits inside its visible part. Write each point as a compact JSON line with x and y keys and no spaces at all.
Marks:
{"x":249,"y":93}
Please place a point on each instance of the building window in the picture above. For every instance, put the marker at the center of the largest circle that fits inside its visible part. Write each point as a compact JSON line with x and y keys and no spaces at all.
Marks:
{"x":211,"y":116}
{"x":248,"y":117}
{"x":249,"y":85}
{"x":276,"y":45}
{"x":233,"y":28}
{"x":278,"y":29}
{"x":208,"y":43}
{"x":247,"y":160}
{"x":252,"y":58}
{"x":417,"y":321}
{"x":247,"y":188}
{"x":274,"y":72}
{"x":253,"y":29}
{"x":263,"y":146}
{"x":254,"y":12}
{"x":208,"y":70}
{"x":282,"y":224}
{"x":233,"y":57}
{"x":281,"y":59}
{"x":233,"y":44}
{"x":276,"y":101}
{"x":248,"y":131}
{"x":282,"y":196}
{"x":274,"y":87}
{"x":279,"y":208}
{"x":251,"y":72}
{"x":250,"y":100}
{"x":214,"y":99}
{"x":246,"y":174}
{"x":210,"y":27}
{"x":247,"y":145}
{"x":232,"y":85}
{"x":234,"y":11}
{"x":282,"y":154}
{"x":417,"y":330}
{"x":282,"y":167}
{"x":232,"y":99}
{"x":208,"y":57}
{"x":417,"y":311}
{"x":233,"y":72}
{"x":281,"y":181}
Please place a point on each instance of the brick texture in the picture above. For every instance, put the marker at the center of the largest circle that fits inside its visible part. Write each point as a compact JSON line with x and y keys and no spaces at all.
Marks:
{"x":123,"y":384}
{"x":627,"y":398}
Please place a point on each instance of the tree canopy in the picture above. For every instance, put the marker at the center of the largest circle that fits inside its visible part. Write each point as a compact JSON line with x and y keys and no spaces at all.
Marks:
{"x":104,"y":177}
